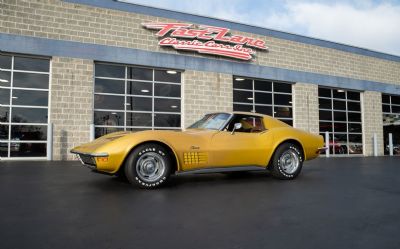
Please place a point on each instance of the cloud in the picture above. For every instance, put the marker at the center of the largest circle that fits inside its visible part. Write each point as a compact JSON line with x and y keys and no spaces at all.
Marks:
{"x":223,"y":9}
{"x":371,"y":26}
{"x":362,"y":23}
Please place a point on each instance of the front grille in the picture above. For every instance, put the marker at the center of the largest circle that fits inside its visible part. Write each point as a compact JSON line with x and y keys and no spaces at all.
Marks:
{"x":87,"y":159}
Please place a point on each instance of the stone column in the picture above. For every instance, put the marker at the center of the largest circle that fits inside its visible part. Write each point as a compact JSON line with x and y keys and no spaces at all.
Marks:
{"x":205,"y":92}
{"x":372,"y":122}
{"x":305,"y":107}
{"x":71,"y":105}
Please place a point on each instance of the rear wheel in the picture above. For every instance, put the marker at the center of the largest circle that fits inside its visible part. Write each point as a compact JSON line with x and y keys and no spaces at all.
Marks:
{"x":287,"y":161}
{"x":148,"y":166}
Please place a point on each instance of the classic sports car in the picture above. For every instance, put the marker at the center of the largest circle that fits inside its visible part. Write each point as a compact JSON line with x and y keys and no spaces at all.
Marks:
{"x":218,"y":142}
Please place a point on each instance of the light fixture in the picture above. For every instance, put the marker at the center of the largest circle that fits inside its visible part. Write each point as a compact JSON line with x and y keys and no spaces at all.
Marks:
{"x":144,"y":91}
{"x":340,"y":91}
{"x":3,"y":81}
{"x":15,"y":97}
{"x":249,"y":98}
{"x":174,"y":106}
{"x":239,"y":79}
{"x":290,"y":102}
{"x":127,"y":104}
{"x":114,"y":113}
{"x":171,"y":72}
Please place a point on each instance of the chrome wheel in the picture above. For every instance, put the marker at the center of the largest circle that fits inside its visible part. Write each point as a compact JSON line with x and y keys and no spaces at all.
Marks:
{"x":150,"y":166}
{"x":289,"y":161}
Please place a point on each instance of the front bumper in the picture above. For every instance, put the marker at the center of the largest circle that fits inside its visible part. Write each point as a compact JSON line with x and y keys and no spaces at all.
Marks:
{"x":89,"y":159}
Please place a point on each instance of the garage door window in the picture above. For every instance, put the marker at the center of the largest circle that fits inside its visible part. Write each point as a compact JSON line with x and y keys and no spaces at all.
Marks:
{"x":129,"y":98}
{"x":263,"y":96}
{"x":391,"y":121}
{"x":24,"y":97}
{"x":340,"y":115}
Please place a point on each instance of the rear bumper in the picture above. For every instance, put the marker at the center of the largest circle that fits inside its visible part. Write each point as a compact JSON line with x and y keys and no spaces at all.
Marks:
{"x":89,"y":159}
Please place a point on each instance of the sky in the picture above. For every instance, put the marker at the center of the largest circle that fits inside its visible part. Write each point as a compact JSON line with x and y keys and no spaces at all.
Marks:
{"x":370,"y":24}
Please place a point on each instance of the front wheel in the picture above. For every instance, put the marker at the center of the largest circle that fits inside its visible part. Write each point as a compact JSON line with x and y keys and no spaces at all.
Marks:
{"x":287,"y":161}
{"x":148,"y":166}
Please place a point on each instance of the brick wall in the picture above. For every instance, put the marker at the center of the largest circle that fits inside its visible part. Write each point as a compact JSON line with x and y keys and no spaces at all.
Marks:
{"x":205,"y":92}
{"x":71,"y":104}
{"x":372,"y":121}
{"x":305,"y":107}
{"x":55,"y":19}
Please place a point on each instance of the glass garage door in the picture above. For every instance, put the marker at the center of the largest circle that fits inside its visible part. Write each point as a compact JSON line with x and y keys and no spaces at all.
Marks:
{"x":272,"y":98}
{"x":130,"y":98}
{"x":24,"y":95}
{"x":340,"y":115}
{"x":391,"y":122}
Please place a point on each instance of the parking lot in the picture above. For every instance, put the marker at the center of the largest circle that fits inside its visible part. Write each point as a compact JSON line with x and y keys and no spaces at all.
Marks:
{"x":335,"y":203}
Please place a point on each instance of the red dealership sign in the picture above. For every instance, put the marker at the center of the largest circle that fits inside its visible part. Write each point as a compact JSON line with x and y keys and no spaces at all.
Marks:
{"x":206,"y":40}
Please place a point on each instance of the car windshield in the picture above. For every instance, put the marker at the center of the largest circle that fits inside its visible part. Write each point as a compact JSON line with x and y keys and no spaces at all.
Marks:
{"x":214,"y":121}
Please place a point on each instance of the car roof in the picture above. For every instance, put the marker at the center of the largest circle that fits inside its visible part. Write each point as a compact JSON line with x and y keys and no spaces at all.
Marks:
{"x":250,"y":114}
{"x":272,"y":122}
{"x":242,"y":113}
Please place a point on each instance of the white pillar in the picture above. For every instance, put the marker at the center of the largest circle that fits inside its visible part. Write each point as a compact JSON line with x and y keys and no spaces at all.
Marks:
{"x":50,"y":142}
{"x":327,"y":143}
{"x":391,"y":144}
{"x":375,"y":143}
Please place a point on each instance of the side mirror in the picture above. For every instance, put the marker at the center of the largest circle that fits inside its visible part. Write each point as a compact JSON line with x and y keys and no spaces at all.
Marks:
{"x":236,"y":126}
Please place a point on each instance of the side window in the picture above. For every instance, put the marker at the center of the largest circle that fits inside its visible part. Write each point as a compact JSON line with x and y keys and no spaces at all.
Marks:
{"x":250,"y":124}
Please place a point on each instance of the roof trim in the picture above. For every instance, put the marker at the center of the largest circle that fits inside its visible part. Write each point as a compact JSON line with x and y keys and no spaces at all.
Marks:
{"x":181,"y":16}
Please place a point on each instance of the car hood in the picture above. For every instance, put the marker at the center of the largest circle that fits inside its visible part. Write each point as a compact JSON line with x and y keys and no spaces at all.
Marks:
{"x":98,"y":144}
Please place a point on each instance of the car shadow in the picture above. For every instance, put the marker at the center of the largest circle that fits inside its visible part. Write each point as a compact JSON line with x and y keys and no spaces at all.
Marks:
{"x":217,"y":179}
{"x":195,"y":179}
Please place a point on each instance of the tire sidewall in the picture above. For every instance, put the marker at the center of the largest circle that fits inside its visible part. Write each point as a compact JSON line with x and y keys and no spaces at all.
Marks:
{"x":279,"y":172}
{"x":131,"y":171}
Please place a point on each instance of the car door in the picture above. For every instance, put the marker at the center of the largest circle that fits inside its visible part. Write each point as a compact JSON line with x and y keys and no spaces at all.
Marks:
{"x":246,"y":146}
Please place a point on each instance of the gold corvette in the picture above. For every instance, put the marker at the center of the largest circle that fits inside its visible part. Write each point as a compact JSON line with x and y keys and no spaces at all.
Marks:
{"x":218,"y":142}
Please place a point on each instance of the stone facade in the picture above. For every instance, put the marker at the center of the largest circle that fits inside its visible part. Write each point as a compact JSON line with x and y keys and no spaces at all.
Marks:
{"x":71,"y":104}
{"x":305,"y":107}
{"x":205,"y":92}
{"x":55,"y":19}
{"x":372,"y":122}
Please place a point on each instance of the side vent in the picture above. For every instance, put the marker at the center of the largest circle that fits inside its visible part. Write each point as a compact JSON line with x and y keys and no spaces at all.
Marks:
{"x":194,"y":158}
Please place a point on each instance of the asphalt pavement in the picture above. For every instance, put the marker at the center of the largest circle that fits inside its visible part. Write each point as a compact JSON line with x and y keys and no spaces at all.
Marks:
{"x":334,"y":203}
